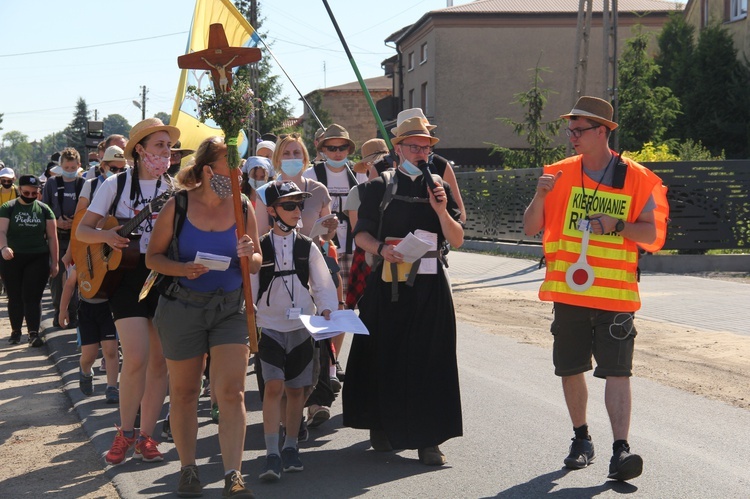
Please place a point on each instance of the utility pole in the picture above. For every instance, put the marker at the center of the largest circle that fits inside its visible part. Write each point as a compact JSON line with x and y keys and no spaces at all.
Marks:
{"x":143,"y":103}
{"x":254,"y":134}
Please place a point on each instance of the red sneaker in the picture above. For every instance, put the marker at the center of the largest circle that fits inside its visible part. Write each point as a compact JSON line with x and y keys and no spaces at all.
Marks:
{"x":119,"y":448}
{"x":145,"y":449}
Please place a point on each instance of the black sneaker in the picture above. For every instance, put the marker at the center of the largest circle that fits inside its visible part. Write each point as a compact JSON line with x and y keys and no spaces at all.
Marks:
{"x":272,"y":469}
{"x":340,"y":373}
{"x":624,"y":465}
{"x":34,"y":339}
{"x":303,"y":434}
{"x":581,"y":454}
{"x":166,"y":430}
{"x":86,"y":383}
{"x":190,"y":484}
{"x":290,"y":459}
{"x":15,"y":337}
{"x":112,"y":395}
{"x":335,"y":384}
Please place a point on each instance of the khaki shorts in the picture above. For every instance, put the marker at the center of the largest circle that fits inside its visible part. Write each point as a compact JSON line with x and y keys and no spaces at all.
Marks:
{"x":581,"y":332}
{"x":191,"y":325}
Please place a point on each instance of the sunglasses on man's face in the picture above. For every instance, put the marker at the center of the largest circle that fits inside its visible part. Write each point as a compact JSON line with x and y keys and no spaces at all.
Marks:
{"x":345,"y":147}
{"x":28,"y":194}
{"x":292,"y":205}
{"x":6,"y":184}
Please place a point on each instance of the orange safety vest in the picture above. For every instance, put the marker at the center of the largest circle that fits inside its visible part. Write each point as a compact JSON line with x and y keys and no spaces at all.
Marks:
{"x":613,"y":257}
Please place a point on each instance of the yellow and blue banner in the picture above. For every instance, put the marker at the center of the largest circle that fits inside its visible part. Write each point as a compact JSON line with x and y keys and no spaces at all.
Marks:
{"x":239,"y":33}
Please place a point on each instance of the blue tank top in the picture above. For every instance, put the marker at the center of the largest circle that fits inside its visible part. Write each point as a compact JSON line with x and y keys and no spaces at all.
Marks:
{"x":192,"y":240}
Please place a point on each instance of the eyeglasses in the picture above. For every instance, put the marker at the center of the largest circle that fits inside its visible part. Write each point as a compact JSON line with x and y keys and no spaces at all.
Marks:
{"x":577,"y":132}
{"x":28,"y":194}
{"x":415,"y":149}
{"x":291,"y":205}
{"x":117,"y":169}
{"x":345,"y":147}
{"x":6,"y":184}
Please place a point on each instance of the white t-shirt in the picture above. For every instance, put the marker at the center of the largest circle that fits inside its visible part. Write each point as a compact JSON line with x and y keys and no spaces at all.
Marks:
{"x":126,"y":209}
{"x":338,"y":187}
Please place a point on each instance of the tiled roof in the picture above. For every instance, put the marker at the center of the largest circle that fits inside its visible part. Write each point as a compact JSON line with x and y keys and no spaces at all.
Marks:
{"x":555,"y":6}
{"x":372,"y":84}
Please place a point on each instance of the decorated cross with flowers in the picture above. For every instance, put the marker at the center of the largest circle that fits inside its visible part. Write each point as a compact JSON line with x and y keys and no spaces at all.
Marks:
{"x":230,"y":105}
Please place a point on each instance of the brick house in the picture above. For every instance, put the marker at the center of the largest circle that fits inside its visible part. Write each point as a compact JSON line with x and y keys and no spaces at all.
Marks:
{"x":347,"y":106}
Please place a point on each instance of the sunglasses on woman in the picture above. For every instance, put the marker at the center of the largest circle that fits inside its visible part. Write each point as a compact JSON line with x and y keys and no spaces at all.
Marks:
{"x":343,"y":148}
{"x":292,"y":205}
{"x":117,"y":169}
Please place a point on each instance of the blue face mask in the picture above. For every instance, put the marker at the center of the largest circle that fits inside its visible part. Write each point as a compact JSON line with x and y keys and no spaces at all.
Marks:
{"x":67,"y":174}
{"x":108,"y":174}
{"x":292,"y":167}
{"x":409,"y":168}
{"x":336,"y":164}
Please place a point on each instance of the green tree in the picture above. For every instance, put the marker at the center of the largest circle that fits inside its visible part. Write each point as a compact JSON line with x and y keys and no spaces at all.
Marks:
{"x":272,"y":107}
{"x":538,"y":132}
{"x":717,"y":107}
{"x":674,"y":58}
{"x":116,"y":123}
{"x":164,"y":117}
{"x":17,"y":152}
{"x":76,"y":130}
{"x":646,"y":111}
{"x":310,"y":126}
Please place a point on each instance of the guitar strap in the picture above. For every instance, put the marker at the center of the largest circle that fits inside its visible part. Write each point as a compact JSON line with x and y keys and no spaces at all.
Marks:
{"x":121,"y":179}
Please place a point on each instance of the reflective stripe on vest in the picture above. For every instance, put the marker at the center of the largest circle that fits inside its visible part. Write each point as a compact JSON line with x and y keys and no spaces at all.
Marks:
{"x":613,"y":258}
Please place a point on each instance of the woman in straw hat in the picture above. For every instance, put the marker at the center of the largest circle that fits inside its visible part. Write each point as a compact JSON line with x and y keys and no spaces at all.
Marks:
{"x":206,"y":314}
{"x":402,"y":379}
{"x":143,"y":379}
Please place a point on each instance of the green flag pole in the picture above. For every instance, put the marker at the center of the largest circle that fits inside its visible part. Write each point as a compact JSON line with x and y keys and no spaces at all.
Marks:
{"x":374,"y":110}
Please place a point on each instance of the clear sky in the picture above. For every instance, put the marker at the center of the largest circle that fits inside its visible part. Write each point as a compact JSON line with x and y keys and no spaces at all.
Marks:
{"x":106,"y":50}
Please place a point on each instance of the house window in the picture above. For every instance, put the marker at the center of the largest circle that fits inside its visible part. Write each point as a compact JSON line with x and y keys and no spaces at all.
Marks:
{"x":423,"y":53}
{"x":410,"y":63}
{"x":737,"y":9}
{"x":423,"y":100}
{"x":411,"y":98}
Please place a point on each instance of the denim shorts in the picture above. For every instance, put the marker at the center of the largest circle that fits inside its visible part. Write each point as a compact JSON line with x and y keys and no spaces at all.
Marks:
{"x":581,"y":332}
{"x":193,"y":323}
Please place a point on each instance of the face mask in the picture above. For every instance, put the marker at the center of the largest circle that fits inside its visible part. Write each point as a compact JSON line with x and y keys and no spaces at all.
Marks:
{"x":155,"y":165}
{"x":292,"y":167}
{"x":256,"y":184}
{"x":221,"y":185}
{"x":409,"y":168}
{"x":27,"y":200}
{"x":67,"y":174}
{"x":336,"y":164}
{"x":108,"y":174}
{"x":173,"y":169}
{"x":281,"y":224}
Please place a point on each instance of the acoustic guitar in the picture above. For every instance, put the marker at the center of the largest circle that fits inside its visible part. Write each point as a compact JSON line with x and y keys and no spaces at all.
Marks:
{"x":98,"y":266}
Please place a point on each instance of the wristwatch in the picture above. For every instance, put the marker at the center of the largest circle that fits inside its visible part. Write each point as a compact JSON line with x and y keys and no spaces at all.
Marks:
{"x":620,"y":226}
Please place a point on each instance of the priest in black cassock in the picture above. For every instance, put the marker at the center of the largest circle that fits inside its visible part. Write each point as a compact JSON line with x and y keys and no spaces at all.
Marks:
{"x":402,"y":379}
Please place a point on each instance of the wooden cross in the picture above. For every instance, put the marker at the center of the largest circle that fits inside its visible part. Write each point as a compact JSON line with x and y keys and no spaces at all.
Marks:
{"x":219,"y":58}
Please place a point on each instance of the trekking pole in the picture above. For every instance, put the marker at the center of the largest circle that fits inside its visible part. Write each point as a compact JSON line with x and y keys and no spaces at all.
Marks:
{"x":312,"y":111}
{"x":383,"y":132}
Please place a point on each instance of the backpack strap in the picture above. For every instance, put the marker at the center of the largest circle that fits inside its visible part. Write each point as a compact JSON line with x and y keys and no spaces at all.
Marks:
{"x":168,"y":287}
{"x":121,"y":179}
{"x":320,"y":173}
{"x":267,"y":272}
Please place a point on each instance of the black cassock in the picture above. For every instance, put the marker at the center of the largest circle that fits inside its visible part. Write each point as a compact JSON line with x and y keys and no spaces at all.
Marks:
{"x":403,"y":377}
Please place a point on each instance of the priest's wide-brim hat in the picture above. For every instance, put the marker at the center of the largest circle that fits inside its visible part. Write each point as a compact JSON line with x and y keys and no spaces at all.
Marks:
{"x":413,"y":127}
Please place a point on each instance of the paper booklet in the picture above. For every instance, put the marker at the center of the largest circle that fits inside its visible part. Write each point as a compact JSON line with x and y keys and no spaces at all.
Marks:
{"x":213,"y":262}
{"x":318,"y":229}
{"x":342,"y":321}
{"x":413,"y":248}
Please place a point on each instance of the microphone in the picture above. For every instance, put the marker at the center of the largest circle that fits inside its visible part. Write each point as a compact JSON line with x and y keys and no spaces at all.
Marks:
{"x":425,"y":167}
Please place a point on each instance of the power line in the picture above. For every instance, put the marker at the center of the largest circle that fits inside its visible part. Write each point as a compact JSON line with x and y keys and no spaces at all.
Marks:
{"x":65,"y":107}
{"x":92,"y":46}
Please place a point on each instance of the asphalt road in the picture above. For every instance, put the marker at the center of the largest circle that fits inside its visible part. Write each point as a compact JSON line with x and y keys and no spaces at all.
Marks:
{"x":515,"y":425}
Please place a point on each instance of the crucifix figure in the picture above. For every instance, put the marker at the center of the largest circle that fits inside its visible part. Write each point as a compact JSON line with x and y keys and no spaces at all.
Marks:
{"x":219,"y":58}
